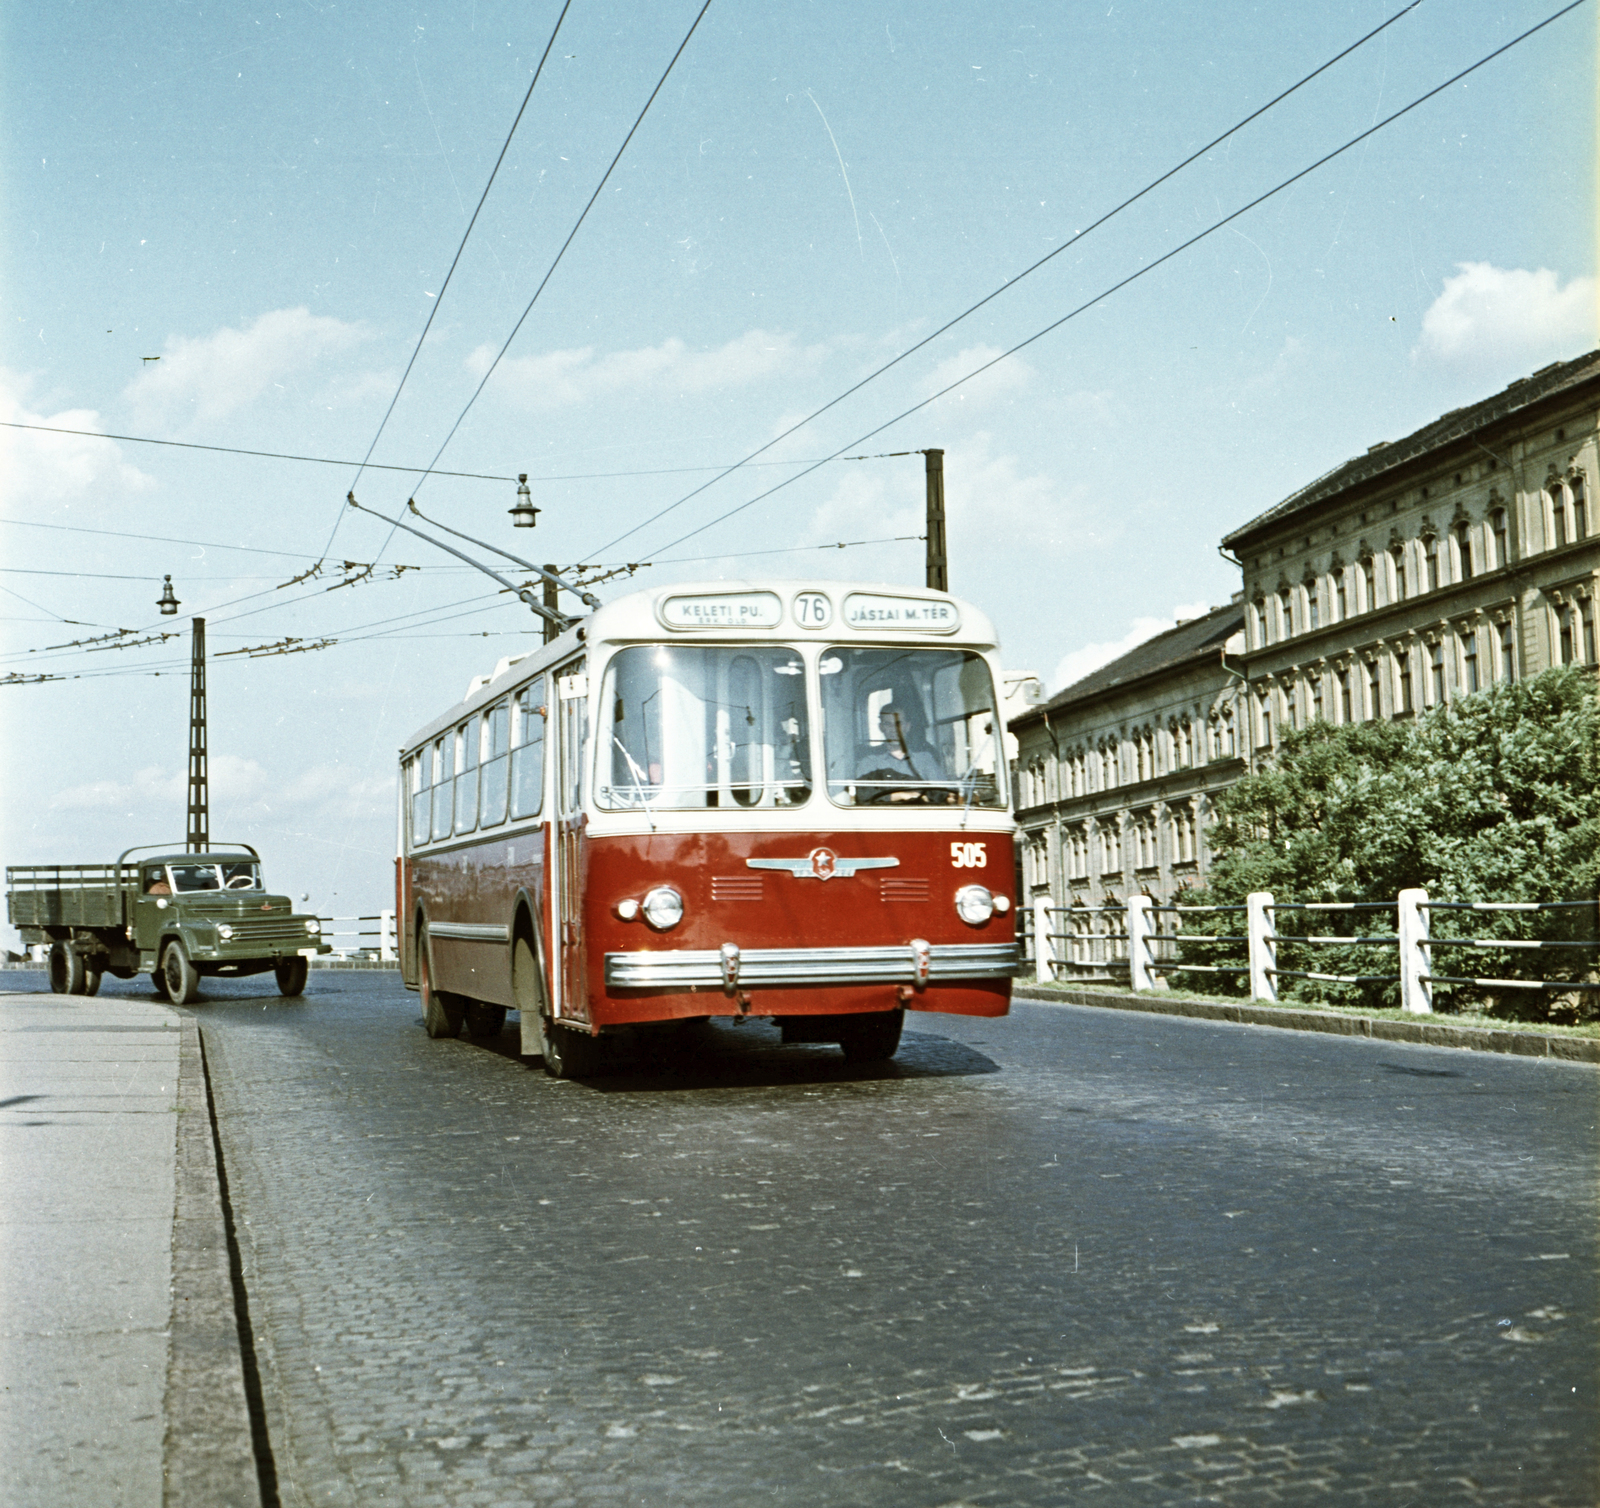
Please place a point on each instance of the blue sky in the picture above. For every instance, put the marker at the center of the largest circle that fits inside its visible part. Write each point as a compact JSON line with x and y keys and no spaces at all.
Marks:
{"x":268,"y":199}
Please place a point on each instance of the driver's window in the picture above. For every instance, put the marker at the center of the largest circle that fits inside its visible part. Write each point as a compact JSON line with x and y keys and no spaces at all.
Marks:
{"x":241,"y":876}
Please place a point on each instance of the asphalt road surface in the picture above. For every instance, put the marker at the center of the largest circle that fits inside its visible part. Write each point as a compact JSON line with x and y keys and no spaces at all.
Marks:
{"x":1071,"y":1254}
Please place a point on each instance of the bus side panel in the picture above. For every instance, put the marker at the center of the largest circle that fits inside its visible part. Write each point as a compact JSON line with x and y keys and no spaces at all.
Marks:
{"x":727,"y":901}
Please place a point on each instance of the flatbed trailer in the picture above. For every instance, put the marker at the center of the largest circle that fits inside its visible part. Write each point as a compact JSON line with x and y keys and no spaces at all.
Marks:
{"x":179,"y":916}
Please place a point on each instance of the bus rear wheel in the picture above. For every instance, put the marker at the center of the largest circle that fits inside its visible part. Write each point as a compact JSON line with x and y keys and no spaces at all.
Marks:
{"x":485,"y":1022}
{"x":871,"y":1038}
{"x":66,"y":970}
{"x":441,"y":1013}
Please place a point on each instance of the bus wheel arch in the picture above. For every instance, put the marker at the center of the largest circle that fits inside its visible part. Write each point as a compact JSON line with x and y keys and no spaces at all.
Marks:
{"x":442,"y":1014}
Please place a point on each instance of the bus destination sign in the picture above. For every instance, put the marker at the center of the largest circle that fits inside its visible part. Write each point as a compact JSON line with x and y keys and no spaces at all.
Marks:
{"x":723,"y":610}
{"x":867,"y":610}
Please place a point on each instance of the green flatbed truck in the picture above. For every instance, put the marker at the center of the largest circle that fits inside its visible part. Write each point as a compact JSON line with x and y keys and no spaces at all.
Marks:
{"x":180,"y":916}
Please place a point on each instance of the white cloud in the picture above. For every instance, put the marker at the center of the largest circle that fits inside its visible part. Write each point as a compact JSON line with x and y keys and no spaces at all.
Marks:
{"x":208,"y":378}
{"x":1074,"y":666}
{"x":1002,"y":380}
{"x":45,"y":468}
{"x":230,"y":779}
{"x":559,"y":378}
{"x":1500,"y":317}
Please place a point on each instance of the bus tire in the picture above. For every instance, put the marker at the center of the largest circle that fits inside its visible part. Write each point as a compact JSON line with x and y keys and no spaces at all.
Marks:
{"x":485,"y":1022}
{"x":66,"y":970}
{"x":441,"y":1016}
{"x":183,"y":983}
{"x":291,"y":975}
{"x":872,"y":1037}
{"x":568,"y":1054}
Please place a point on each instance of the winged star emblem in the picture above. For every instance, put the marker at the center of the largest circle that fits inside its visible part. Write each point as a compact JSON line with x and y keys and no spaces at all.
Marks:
{"x":821,"y":864}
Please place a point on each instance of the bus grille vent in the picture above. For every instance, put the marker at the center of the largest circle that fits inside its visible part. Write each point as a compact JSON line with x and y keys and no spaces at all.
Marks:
{"x":737,"y":887}
{"x":903,"y":889}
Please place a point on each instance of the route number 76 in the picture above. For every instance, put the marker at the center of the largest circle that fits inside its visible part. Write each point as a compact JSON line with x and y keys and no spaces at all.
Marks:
{"x":968,"y":856}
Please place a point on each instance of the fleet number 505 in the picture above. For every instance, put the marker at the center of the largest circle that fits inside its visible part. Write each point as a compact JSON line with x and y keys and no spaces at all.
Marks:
{"x":968,"y":856}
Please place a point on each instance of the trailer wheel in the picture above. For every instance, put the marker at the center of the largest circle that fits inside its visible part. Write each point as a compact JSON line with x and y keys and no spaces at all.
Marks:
{"x":485,"y":1022}
{"x":871,"y":1038}
{"x":183,"y":983}
{"x":291,"y":975}
{"x":66,"y":970}
{"x":441,"y":1015}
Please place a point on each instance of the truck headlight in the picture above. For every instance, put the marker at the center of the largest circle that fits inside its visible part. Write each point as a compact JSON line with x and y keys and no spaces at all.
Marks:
{"x":663,"y":908}
{"x":224,"y":931}
{"x":313,"y":926}
{"x":974,"y":904}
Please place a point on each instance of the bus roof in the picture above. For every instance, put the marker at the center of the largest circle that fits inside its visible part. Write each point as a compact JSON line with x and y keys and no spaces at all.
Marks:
{"x":752,"y":610}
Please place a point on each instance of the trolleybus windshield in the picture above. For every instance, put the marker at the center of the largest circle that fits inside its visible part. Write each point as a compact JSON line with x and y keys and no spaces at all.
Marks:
{"x":687,"y":726}
{"x":910,"y":726}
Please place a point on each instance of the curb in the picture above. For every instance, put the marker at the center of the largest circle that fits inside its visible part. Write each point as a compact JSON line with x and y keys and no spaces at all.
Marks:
{"x":1429,"y":1034}
{"x":210,"y":1459}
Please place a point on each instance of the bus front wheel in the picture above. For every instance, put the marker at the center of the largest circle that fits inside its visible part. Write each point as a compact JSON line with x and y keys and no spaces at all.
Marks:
{"x":871,"y":1038}
{"x":568,"y":1054}
{"x":441,"y":1016}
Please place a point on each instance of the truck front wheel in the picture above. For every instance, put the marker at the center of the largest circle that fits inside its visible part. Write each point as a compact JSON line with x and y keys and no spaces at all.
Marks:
{"x":67,"y":971}
{"x":182,"y":982}
{"x":291,"y":975}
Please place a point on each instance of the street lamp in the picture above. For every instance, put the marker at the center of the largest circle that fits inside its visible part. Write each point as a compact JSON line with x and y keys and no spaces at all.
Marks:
{"x":167,"y":602}
{"x":524,"y":515}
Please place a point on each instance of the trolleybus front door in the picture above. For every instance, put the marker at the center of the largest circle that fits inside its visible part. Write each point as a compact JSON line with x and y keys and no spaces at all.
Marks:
{"x":567,"y":868}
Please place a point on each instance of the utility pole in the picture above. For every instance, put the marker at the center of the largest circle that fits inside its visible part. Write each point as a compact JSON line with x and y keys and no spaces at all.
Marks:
{"x":551,"y":591}
{"x":938,"y":561}
{"x":199,"y":838}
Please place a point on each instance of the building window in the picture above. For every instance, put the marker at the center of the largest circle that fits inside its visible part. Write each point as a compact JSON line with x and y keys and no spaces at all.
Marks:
{"x":1261,"y":623}
{"x":1369,"y":579}
{"x":1286,"y":611}
{"x":1580,"y":510}
{"x":1264,"y":717}
{"x":1586,"y":609}
{"x":1291,"y":708}
{"x":1469,"y":661}
{"x":1401,"y":591}
{"x":1464,"y":550}
{"x":1228,"y":747}
{"x":1374,"y":690}
{"x":1502,"y":539}
{"x":1313,"y":606}
{"x":1432,"y":550}
{"x":1341,"y":596}
{"x":1508,"y":652}
{"x":1564,"y":618}
{"x":1344,"y":697}
{"x":1403,"y":675}
{"x":1436,"y":673}
{"x":1558,"y":514}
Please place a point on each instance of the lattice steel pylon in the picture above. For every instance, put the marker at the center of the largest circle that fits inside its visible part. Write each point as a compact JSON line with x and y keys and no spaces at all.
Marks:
{"x":199,"y":839}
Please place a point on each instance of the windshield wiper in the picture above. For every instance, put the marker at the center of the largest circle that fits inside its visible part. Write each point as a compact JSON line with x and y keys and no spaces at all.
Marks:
{"x":638,"y":780}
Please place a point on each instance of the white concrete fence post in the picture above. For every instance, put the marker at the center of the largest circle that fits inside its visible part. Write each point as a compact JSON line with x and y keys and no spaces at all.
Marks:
{"x":1043,"y":952}
{"x":386,"y":937}
{"x":1260,"y":928}
{"x":1140,"y":925}
{"x":1416,"y":954}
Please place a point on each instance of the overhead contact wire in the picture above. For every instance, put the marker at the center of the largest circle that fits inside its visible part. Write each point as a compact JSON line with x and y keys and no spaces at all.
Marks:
{"x":1010,"y":283}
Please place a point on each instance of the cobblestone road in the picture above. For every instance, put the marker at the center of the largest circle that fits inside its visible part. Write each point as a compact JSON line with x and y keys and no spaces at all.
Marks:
{"x":1074,"y":1254}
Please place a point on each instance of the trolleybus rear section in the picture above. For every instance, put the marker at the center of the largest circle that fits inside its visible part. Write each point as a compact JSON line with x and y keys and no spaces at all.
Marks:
{"x":766,"y":798}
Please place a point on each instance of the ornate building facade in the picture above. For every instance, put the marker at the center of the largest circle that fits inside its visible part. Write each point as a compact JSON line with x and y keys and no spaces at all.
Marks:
{"x":1420,"y":572}
{"x":1430,"y":567}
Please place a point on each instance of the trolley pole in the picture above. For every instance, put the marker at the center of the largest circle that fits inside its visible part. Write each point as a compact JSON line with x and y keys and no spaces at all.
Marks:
{"x":938,"y":561}
{"x":551,"y":592}
{"x":199,"y":837}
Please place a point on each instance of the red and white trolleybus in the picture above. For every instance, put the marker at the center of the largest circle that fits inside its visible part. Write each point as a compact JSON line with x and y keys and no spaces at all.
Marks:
{"x":741,"y":798}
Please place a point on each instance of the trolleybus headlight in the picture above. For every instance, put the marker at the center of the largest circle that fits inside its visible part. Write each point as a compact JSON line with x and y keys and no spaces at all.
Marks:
{"x":628,"y":909}
{"x":313,"y":926}
{"x":663,"y":908}
{"x":224,"y":931}
{"x":1002,"y":904}
{"x":974,"y":904}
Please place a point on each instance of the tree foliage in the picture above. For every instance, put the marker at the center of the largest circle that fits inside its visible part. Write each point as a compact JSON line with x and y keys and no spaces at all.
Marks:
{"x":1493,"y":798}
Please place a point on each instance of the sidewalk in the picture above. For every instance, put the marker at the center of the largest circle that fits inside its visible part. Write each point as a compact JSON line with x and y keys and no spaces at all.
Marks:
{"x":105,"y":1148}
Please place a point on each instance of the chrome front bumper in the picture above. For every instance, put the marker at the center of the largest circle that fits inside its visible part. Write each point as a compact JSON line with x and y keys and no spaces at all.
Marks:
{"x":774,"y":968}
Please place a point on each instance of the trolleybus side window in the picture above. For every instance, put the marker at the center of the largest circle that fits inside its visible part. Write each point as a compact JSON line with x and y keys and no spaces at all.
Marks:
{"x":687,"y":726}
{"x":527,"y":754}
{"x":914,"y":726}
{"x":443,"y":785}
{"x":496,"y":760}
{"x":467,"y":776}
{"x":421,"y":796}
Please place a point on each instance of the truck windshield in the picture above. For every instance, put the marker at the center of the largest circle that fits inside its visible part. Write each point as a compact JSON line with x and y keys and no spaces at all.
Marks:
{"x":686,"y":726}
{"x":910,"y":726}
{"x":230,"y":874}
